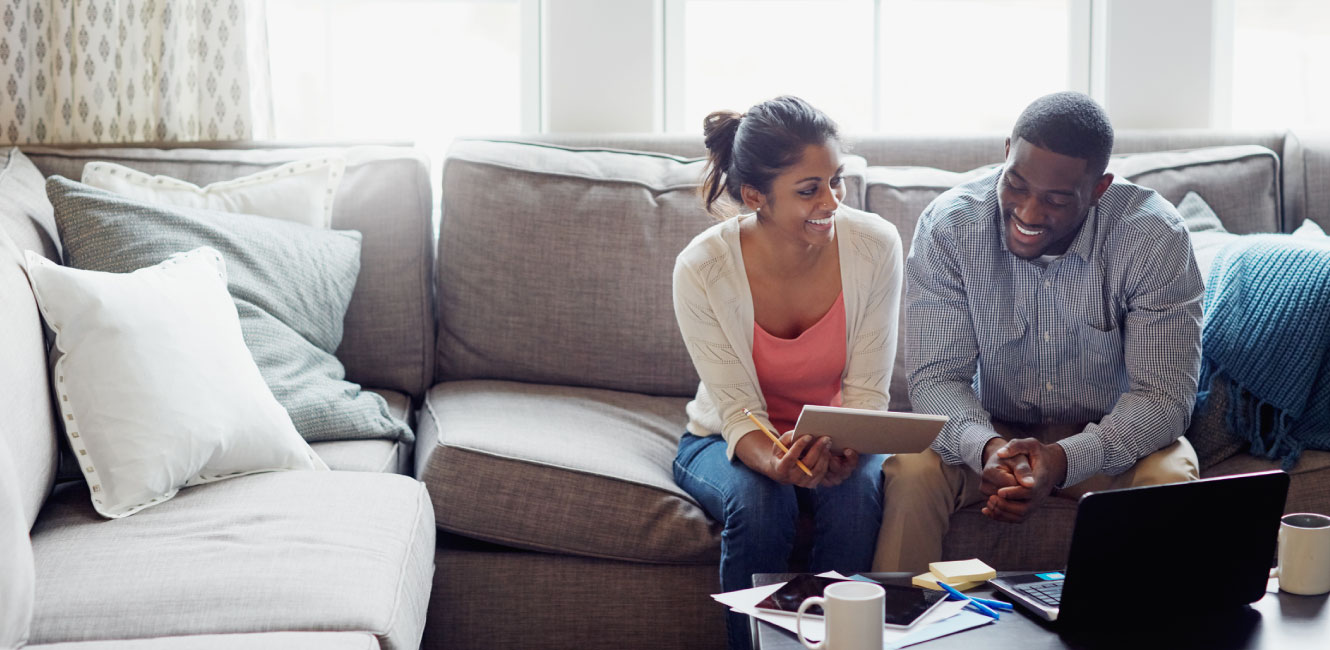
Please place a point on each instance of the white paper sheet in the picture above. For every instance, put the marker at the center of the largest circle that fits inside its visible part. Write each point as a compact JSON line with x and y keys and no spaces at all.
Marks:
{"x":948,"y":618}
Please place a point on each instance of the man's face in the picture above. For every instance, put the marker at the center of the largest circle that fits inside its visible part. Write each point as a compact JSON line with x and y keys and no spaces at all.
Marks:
{"x":1043,"y":198}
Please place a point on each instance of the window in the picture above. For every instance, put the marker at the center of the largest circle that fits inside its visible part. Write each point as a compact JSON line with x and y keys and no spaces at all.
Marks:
{"x":873,"y":65}
{"x":1280,"y":63}
{"x":954,"y":66}
{"x":738,"y":53}
{"x":406,"y":70}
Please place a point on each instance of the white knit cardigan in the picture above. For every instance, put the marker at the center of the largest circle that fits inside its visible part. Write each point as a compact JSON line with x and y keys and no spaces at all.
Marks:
{"x":714,"y":307}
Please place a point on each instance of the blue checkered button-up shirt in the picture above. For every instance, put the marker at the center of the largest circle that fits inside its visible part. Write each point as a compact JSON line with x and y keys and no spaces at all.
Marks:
{"x":1108,"y":333}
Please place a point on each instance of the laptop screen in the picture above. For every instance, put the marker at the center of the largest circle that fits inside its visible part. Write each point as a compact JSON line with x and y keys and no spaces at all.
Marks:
{"x":1214,"y":537}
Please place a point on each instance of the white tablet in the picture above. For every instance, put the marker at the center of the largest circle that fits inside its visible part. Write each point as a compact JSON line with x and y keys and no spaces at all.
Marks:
{"x":870,"y":432}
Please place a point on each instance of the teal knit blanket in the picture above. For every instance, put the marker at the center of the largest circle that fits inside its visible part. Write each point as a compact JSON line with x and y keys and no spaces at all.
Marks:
{"x":1267,"y":335}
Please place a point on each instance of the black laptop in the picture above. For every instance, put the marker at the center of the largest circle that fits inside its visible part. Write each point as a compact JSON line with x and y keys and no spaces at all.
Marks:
{"x":1205,"y":545}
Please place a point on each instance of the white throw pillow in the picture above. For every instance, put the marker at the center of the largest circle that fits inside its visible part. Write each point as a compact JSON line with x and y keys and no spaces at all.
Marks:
{"x":156,"y":388}
{"x":1309,"y":230}
{"x":300,"y":191}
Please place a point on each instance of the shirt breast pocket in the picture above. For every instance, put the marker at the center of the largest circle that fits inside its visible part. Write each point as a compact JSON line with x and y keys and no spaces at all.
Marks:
{"x":1101,"y":355}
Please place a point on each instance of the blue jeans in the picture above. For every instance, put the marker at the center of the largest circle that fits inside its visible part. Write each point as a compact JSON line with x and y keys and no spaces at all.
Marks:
{"x":759,"y":517}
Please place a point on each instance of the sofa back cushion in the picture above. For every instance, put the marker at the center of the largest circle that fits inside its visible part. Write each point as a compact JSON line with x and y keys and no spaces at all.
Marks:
{"x":1311,"y":200}
{"x":555,"y":264}
{"x":1240,"y":183}
{"x":899,"y":195}
{"x":27,"y":423}
{"x":388,"y":340}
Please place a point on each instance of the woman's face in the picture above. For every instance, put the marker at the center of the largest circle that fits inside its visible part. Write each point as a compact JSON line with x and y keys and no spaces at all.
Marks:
{"x":804,"y":197}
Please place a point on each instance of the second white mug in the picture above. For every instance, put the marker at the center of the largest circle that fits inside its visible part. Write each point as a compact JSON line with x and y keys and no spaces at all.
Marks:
{"x":853,"y":613}
{"x":1304,"y":554}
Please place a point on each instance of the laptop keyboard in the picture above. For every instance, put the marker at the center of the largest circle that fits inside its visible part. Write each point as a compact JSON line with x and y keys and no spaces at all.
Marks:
{"x":1048,"y":592}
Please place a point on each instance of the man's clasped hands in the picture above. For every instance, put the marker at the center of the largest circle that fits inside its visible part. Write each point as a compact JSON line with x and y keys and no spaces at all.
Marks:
{"x":1018,"y":475}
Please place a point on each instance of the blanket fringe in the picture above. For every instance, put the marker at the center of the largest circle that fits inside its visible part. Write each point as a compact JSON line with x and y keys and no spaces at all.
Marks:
{"x":1269,"y":436}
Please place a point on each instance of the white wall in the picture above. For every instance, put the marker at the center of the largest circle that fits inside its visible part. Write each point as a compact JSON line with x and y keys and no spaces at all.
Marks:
{"x":1152,"y":50}
{"x":602,"y":66}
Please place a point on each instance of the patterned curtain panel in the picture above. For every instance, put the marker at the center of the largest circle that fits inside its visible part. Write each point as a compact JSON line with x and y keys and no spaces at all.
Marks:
{"x":85,"y":71}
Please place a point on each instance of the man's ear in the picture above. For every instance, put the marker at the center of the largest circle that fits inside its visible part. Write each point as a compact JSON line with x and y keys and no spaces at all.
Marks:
{"x":1006,"y":149}
{"x":1101,"y":186}
{"x":753,"y":199}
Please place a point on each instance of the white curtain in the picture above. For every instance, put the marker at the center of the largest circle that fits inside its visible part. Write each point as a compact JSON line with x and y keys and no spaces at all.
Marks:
{"x":87,"y":71}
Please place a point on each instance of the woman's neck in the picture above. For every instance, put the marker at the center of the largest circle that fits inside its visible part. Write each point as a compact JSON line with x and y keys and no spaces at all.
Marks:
{"x":779,"y":254}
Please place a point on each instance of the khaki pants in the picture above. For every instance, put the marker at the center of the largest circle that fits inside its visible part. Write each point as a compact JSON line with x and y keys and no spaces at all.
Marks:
{"x":920,"y":493}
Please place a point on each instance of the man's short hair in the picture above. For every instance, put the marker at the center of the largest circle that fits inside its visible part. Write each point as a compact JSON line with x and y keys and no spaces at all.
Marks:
{"x":1070,"y":124}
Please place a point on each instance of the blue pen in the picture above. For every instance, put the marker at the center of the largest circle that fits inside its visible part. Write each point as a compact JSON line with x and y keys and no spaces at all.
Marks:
{"x":993,"y":604}
{"x":983,"y":609}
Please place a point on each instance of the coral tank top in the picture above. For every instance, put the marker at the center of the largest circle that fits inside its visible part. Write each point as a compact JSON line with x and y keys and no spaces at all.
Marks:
{"x":803,"y":370}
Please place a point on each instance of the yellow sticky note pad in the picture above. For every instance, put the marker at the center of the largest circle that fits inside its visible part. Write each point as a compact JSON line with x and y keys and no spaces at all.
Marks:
{"x":929,"y":581}
{"x":962,"y":571}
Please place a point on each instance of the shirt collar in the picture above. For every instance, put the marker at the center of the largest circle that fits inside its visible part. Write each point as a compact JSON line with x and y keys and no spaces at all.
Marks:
{"x":1083,"y":244}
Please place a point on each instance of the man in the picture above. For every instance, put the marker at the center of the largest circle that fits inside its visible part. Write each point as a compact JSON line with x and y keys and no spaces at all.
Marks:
{"x":1055,"y":316}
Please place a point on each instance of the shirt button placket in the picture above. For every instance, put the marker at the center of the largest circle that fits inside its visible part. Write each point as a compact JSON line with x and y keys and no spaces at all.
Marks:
{"x":1047,"y":361}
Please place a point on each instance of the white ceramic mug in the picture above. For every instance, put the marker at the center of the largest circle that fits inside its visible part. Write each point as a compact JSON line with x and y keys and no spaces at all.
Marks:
{"x":853,"y":614}
{"x":1304,"y":554}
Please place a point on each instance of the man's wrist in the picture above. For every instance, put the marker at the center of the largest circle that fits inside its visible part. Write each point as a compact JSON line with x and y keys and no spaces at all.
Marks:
{"x":972,"y":444}
{"x":1057,"y":457}
{"x":991,"y":448}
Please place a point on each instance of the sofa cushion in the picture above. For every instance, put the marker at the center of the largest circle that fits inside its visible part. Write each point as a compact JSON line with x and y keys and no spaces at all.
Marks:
{"x":647,"y":606}
{"x":385,"y":194}
{"x":1040,"y":542}
{"x":555,"y":265}
{"x":561,"y":469}
{"x":1241,"y":183}
{"x":1315,"y":169}
{"x":29,"y":431}
{"x":270,"y":641}
{"x":16,"y":569}
{"x":364,"y":455}
{"x":25,"y":212}
{"x":899,"y":195}
{"x":1309,"y":490}
{"x":329,"y":551}
{"x":1208,"y":432}
{"x":291,"y":284}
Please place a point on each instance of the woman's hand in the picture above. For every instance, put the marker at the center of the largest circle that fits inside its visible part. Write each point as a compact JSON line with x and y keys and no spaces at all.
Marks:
{"x":758,"y":452}
{"x":814,"y":452}
{"x":840,"y":467}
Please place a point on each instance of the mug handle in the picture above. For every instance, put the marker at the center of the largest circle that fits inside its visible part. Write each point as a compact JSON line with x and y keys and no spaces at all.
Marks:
{"x":1274,"y":573}
{"x":799,"y":621}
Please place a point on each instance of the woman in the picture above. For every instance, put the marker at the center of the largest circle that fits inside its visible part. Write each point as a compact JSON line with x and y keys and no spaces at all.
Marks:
{"x":790,"y":304}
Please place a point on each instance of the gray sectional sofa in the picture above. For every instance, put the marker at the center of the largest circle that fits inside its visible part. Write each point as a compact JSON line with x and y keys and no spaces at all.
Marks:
{"x":529,"y":340}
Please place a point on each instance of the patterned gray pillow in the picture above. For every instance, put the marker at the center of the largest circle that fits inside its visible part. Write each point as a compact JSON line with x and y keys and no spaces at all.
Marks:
{"x":291,"y":285}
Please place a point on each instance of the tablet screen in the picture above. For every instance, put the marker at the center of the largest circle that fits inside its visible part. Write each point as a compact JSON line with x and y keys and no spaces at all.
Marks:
{"x":904,"y":605}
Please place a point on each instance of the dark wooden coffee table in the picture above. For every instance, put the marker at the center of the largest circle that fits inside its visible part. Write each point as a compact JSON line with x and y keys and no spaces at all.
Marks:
{"x":1277,"y":621}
